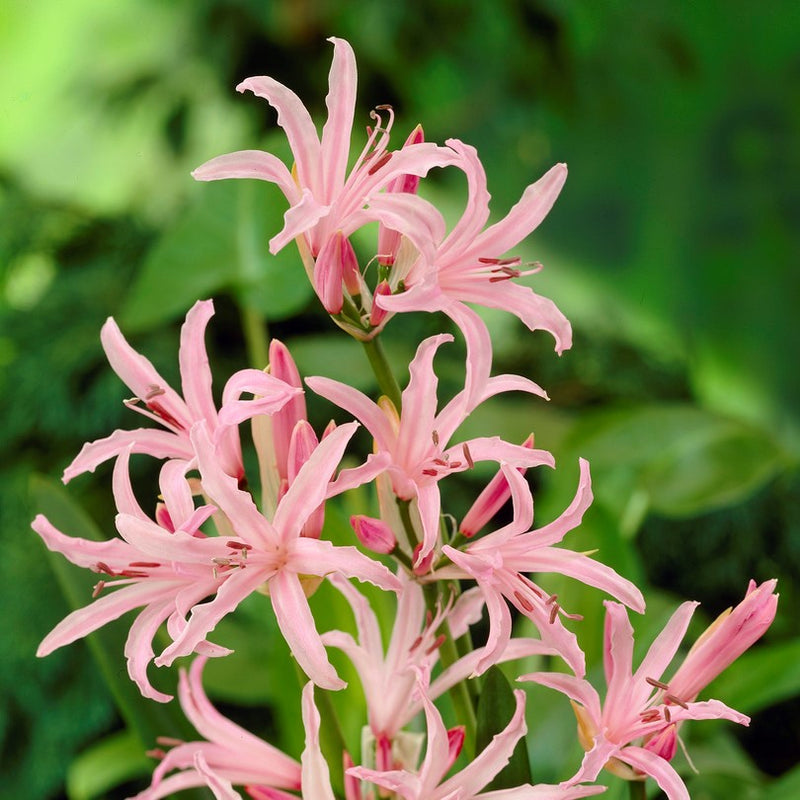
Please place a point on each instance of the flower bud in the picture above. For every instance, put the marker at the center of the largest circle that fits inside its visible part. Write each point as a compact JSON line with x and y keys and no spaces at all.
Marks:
{"x":373,"y":533}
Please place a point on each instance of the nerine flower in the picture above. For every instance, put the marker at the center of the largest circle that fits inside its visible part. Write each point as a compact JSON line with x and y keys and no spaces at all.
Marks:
{"x":415,"y":439}
{"x":163,"y":567}
{"x":443,"y":271}
{"x":389,"y":677}
{"x":229,"y":755}
{"x":156,"y":400}
{"x":442,"y":749}
{"x":275,"y":557}
{"x":633,"y":733}
{"x":326,"y":200}
{"x":498,"y":562}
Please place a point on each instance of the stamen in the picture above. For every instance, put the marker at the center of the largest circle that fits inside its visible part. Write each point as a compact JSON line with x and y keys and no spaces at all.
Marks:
{"x":500,"y":262}
{"x":438,"y":642}
{"x":239,"y":546}
{"x":550,"y":600}
{"x":435,"y":437}
{"x":455,"y":464}
{"x":133,"y":573}
{"x":168,"y":741}
{"x":676,"y":700}
{"x":523,"y":601}
{"x":384,"y":159}
{"x":222,"y":562}
{"x":667,"y":714}
{"x":657,"y":684}
{"x":442,"y":462}
{"x":149,"y":564}
{"x":553,"y":613}
{"x":415,"y":644}
{"x":154,"y":391}
{"x":430,"y":472}
{"x":97,"y":588}
{"x":156,"y":752}
{"x":467,"y":455}
{"x":650,"y":716}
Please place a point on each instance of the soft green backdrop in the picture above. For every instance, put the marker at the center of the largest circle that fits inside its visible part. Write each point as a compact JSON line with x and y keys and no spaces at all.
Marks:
{"x":673,"y":249}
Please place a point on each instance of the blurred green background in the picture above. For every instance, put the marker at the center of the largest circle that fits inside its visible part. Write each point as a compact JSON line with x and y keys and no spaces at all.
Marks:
{"x":673,"y":249}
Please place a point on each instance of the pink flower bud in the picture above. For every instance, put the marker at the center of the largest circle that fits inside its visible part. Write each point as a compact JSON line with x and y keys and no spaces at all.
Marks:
{"x":378,"y":314}
{"x":373,"y":533}
{"x":664,"y":743}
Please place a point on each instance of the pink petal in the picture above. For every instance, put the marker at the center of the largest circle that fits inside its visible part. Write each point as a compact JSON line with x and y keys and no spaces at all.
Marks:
{"x":250,"y":164}
{"x":341,"y":101}
{"x":298,"y":628}
{"x":316,"y":781}
{"x":153,"y":442}
{"x":658,"y":769}
{"x":294,"y":118}
{"x":193,"y":359}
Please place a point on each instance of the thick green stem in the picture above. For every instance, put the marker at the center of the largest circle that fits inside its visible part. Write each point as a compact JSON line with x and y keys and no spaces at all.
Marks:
{"x":383,"y":371}
{"x":638,"y":790}
{"x":256,"y":336}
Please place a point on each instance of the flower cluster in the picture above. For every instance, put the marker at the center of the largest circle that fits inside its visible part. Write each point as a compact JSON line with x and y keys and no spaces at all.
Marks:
{"x":215,"y":535}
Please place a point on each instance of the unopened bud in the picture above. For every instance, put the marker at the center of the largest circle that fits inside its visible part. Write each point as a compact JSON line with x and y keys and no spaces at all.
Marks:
{"x":373,"y":533}
{"x":377,"y":315}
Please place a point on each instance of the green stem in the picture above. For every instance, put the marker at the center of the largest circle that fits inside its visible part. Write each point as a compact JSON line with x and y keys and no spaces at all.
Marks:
{"x":638,"y":790}
{"x":256,"y":336}
{"x":383,"y":371}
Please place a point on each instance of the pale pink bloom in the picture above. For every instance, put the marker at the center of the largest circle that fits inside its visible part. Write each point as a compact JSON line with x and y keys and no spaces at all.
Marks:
{"x":275,"y":556}
{"x":164,"y":569}
{"x":389,"y":677}
{"x":429,"y":783}
{"x":498,"y":561}
{"x":230,"y":754}
{"x":155,"y":399}
{"x":469,"y":265}
{"x":415,"y":440}
{"x":324,"y":198}
{"x":633,"y":733}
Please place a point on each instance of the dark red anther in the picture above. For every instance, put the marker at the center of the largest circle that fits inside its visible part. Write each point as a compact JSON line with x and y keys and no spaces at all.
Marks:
{"x":239,"y":545}
{"x":553,"y":613}
{"x":379,"y":163}
{"x":97,"y":588}
{"x":146,"y":564}
{"x":676,"y":700}
{"x":438,"y":642}
{"x":657,"y":684}
{"x":523,"y":601}
{"x":430,"y":472}
{"x":467,"y":455}
{"x":667,"y":714}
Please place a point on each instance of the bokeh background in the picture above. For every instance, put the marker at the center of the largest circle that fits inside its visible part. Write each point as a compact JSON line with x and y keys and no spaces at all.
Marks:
{"x":673,"y":249}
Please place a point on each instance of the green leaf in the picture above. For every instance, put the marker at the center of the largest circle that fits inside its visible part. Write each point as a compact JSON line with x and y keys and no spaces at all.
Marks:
{"x":677,"y":460}
{"x":496,"y":707}
{"x":762,"y":677}
{"x":787,"y":787}
{"x":220,"y":244}
{"x":108,"y":763}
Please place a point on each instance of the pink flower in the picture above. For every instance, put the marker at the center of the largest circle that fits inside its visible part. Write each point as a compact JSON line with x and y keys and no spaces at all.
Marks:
{"x":230,"y":754}
{"x":163,"y":569}
{"x":640,"y":707}
{"x":325,"y":199}
{"x":415,"y":441}
{"x":156,"y":400}
{"x":470,"y":264}
{"x":443,"y":746}
{"x":279,"y":559}
{"x":498,"y":560}
{"x":389,"y":677}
